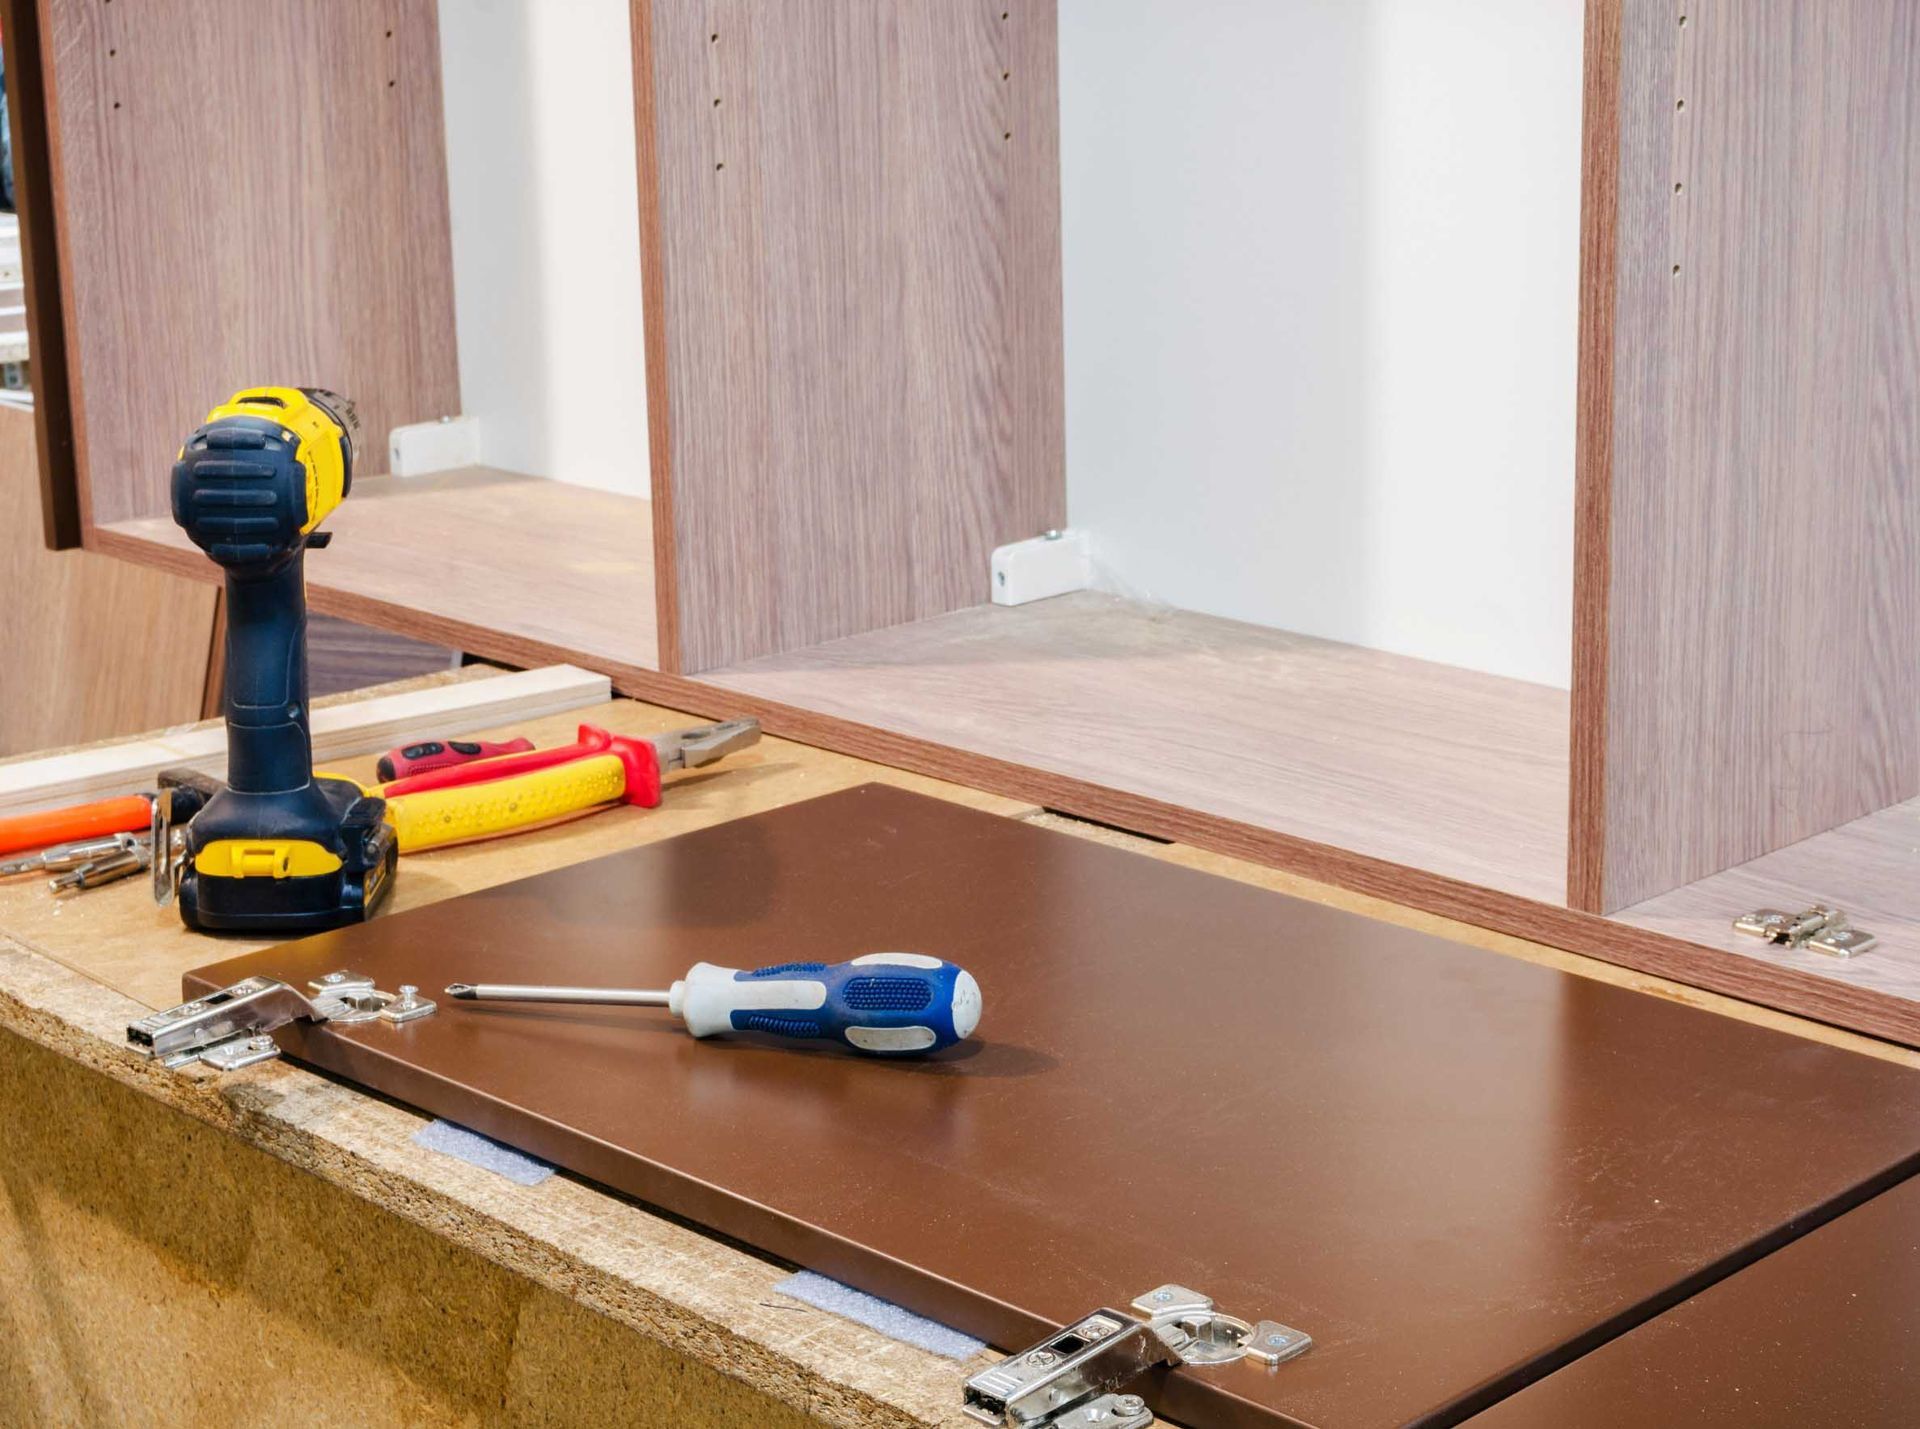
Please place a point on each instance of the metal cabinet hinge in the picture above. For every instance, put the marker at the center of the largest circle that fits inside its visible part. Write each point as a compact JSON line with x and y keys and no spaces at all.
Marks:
{"x":1076,"y":1378}
{"x":1820,"y":928}
{"x":229,"y":1029}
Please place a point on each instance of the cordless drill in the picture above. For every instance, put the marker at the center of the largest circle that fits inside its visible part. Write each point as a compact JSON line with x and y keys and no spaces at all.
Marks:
{"x":277,"y":849}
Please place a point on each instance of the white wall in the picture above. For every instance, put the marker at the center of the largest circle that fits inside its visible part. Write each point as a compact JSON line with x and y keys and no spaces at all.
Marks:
{"x":546,"y":236}
{"x":1321,"y":265}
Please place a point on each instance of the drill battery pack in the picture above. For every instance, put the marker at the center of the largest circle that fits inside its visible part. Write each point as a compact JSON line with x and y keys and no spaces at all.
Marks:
{"x":239,"y":874}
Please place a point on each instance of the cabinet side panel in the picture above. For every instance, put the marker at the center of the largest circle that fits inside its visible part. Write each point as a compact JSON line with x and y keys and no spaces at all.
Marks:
{"x":247,"y":193}
{"x":858,"y":232}
{"x":1763,"y":606}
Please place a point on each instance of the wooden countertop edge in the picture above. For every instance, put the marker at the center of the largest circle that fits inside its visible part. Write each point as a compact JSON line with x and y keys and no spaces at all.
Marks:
{"x":708,"y":1300}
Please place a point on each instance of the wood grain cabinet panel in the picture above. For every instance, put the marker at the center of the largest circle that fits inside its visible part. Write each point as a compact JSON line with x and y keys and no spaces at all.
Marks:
{"x":857,"y":372}
{"x":1750,"y":603}
{"x":245,"y":193}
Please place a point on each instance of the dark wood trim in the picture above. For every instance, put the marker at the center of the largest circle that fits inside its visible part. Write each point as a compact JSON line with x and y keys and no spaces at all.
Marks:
{"x":653,"y":298}
{"x":29,"y":113}
{"x":1593,"y":463}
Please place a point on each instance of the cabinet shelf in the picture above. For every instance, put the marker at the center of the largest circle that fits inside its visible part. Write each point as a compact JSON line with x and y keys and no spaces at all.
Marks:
{"x":515,"y":568}
{"x":1413,"y":763}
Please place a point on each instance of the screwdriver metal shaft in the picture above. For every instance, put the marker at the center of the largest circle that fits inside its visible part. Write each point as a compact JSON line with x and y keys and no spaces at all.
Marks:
{"x":530,"y":992}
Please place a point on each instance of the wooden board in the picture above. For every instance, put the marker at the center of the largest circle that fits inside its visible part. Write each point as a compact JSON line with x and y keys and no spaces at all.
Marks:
{"x":1402,"y":760}
{"x":1820,"y":1333}
{"x":511,"y":567}
{"x":1758,"y":494}
{"x":1540,"y":1189}
{"x":341,"y":729}
{"x":855,"y":375}
{"x":89,"y":647}
{"x":245,"y":194}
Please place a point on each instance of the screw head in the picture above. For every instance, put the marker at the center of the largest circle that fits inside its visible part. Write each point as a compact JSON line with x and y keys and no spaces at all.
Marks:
{"x":1129,"y":1404}
{"x":260,"y":1044}
{"x":1276,"y":1340}
{"x":1042,"y":1357}
{"x":1162,"y":1296}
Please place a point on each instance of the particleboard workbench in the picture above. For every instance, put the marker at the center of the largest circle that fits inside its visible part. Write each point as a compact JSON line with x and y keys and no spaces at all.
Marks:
{"x":416,"y":1287}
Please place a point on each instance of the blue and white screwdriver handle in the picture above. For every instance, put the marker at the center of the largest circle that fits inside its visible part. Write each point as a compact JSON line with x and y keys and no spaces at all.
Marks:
{"x":883,"y":1004}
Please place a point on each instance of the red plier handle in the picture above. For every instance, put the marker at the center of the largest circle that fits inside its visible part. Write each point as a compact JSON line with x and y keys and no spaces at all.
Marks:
{"x":591,"y":740}
{"x":646,"y":757}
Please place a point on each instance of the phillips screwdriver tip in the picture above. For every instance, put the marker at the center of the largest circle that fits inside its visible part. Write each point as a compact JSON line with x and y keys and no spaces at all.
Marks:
{"x":460,"y":989}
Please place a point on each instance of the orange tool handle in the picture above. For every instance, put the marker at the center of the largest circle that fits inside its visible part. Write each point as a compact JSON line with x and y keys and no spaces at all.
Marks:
{"x":130,"y":815}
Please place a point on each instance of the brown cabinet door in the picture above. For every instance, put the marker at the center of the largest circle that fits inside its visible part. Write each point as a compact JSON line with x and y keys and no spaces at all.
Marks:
{"x":1820,"y":1333}
{"x":1453,"y":1169}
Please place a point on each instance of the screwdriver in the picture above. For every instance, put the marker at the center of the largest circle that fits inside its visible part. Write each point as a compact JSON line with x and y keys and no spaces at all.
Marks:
{"x":883,"y":1004}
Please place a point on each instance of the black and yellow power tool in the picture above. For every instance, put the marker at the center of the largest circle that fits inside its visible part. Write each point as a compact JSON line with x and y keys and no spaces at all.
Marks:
{"x":277,"y":850}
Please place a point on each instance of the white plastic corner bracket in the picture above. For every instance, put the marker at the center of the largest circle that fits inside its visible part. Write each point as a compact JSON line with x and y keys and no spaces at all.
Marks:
{"x":423,"y":447}
{"x":1047,"y":565}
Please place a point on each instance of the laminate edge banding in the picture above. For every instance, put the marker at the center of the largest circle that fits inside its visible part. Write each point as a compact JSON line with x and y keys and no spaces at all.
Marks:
{"x":653,"y":297}
{"x":1593,"y":459}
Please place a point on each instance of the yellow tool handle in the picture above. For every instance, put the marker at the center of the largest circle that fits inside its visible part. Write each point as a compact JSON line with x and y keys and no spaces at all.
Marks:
{"x":434,"y":818}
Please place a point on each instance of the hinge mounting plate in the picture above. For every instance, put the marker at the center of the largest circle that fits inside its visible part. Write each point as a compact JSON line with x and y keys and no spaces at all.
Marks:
{"x":1820,"y":928}
{"x":1077,"y":1377}
{"x":229,"y":1029}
